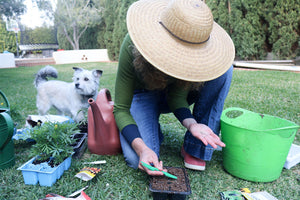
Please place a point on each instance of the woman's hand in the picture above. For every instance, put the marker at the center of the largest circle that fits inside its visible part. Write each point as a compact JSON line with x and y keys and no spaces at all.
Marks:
{"x":206,"y":135}
{"x":147,"y":156}
{"x":203,"y":133}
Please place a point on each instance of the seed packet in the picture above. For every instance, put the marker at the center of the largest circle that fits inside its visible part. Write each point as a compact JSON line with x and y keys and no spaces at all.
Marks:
{"x":232,"y":195}
{"x":87,"y":173}
{"x":262,"y":196}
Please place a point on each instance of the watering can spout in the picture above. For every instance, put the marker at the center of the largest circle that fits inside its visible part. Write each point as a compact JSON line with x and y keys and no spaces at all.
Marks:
{"x":103,"y":134}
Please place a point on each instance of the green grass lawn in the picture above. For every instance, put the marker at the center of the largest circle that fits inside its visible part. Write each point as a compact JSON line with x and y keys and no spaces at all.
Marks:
{"x":269,"y":92}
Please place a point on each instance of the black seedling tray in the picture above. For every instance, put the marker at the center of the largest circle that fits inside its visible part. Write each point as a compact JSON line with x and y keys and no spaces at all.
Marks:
{"x":163,"y":187}
{"x":80,"y":145}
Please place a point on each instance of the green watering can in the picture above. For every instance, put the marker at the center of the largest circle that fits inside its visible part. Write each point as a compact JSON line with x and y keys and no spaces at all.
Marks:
{"x":7,"y":153}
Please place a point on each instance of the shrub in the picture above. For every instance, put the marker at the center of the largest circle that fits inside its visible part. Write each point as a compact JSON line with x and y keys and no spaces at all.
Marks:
{"x":258,"y":27}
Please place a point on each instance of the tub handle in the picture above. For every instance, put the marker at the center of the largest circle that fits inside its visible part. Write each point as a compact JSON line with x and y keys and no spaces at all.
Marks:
{"x":229,"y":119}
{"x":240,"y":111}
{"x":277,"y":131}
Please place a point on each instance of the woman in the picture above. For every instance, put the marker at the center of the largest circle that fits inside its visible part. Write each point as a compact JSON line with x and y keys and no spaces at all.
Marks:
{"x":174,"y":55}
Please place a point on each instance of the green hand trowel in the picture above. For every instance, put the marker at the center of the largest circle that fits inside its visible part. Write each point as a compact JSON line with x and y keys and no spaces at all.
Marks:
{"x":155,"y":169}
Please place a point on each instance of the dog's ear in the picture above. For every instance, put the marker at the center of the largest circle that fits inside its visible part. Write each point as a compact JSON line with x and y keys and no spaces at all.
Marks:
{"x":97,"y":73}
{"x":77,"y":69}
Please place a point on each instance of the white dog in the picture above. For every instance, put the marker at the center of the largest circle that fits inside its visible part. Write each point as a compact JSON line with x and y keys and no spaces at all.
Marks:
{"x":67,"y":98}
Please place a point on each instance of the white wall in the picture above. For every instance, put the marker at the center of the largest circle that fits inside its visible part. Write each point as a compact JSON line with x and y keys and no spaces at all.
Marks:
{"x":7,"y":60}
{"x":80,"y":56}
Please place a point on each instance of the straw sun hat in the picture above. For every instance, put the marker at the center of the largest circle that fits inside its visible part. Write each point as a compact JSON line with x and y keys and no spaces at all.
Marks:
{"x":180,"y":38}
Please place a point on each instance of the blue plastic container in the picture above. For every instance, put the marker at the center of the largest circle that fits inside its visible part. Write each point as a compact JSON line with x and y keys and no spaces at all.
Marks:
{"x":42,"y":173}
{"x":30,"y":175}
{"x":48,"y":178}
{"x":67,"y":163}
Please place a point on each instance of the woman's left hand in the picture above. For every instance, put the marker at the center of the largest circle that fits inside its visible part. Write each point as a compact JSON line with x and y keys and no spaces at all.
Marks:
{"x":205,"y":134}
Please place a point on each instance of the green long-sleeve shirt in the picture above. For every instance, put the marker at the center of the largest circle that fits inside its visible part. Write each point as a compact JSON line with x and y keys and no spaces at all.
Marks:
{"x":127,"y":81}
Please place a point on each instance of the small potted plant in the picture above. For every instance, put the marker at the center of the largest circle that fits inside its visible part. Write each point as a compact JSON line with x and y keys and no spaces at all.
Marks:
{"x":51,"y":153}
{"x":83,"y":124}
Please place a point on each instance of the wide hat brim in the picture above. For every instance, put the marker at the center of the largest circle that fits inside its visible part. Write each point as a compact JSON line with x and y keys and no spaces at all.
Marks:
{"x":185,"y":61}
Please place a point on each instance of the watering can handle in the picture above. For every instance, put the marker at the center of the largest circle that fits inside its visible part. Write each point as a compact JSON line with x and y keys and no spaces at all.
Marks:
{"x":105,"y":95}
{"x":5,"y":99}
{"x":6,"y":123}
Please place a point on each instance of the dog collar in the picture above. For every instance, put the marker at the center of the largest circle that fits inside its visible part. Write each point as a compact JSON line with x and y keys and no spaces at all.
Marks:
{"x":88,"y":96}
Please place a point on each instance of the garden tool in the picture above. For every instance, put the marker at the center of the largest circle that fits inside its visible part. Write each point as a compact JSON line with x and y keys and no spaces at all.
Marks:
{"x":155,"y":169}
{"x":52,"y":196}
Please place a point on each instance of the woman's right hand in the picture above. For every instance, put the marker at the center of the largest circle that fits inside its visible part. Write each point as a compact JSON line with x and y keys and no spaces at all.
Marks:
{"x":147,"y":156}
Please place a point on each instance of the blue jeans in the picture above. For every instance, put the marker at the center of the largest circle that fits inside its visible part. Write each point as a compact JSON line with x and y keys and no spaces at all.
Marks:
{"x":147,"y":106}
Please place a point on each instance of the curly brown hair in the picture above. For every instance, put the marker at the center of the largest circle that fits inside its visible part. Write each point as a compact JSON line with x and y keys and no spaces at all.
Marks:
{"x":155,"y":79}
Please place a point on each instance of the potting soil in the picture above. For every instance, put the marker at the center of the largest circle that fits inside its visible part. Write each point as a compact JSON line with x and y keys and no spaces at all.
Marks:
{"x":168,"y":184}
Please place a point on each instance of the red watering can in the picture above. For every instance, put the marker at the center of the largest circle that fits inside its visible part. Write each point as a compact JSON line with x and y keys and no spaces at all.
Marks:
{"x":103,"y":134}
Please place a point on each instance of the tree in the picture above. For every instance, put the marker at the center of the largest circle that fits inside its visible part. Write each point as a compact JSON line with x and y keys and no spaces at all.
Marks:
{"x":7,"y":39}
{"x":11,"y":8}
{"x":258,"y":27}
{"x":284,"y":27}
{"x":73,"y":17}
{"x":249,"y":30}
{"x":114,"y":17}
{"x":110,"y":14}
{"x":221,"y":10}
{"x":39,"y":35}
{"x":120,"y":29}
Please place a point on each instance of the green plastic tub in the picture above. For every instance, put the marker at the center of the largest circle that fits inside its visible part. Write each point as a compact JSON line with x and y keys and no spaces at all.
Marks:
{"x":257,"y":145}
